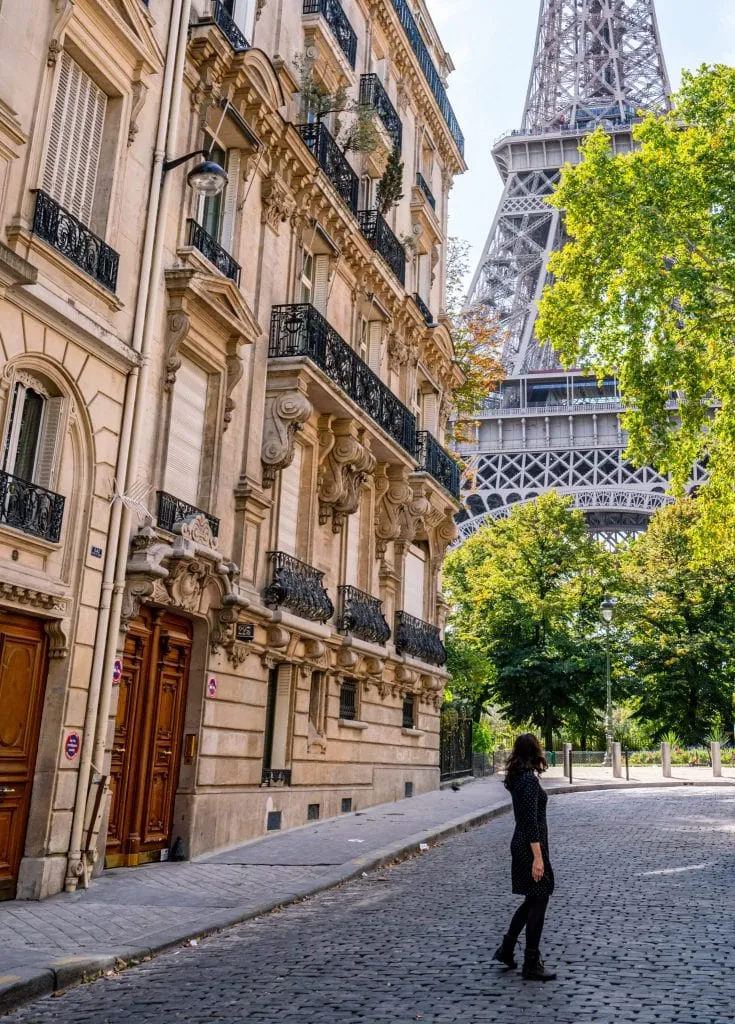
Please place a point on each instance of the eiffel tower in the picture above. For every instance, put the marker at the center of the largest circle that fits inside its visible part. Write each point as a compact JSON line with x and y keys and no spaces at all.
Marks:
{"x":597,"y":62}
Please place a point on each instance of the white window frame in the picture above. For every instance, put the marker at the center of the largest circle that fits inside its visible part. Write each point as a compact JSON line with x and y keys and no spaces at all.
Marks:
{"x":50,"y":428}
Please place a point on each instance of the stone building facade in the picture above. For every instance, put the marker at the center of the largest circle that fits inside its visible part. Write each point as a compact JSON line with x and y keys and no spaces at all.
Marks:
{"x":225,"y":499}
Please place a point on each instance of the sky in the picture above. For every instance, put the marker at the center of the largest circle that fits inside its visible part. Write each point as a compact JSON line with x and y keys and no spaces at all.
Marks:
{"x":491,"y":43}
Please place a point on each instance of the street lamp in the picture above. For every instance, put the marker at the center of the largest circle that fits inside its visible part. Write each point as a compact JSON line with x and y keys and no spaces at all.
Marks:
{"x":207,"y":178}
{"x":607,"y":614}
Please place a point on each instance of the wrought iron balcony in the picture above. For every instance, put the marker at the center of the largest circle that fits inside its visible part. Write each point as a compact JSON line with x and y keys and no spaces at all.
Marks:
{"x":335,"y":17}
{"x":425,"y":311}
{"x":301,"y":330}
{"x":375,"y":228}
{"x":276,"y":777}
{"x":430,"y":73}
{"x":332,"y":161}
{"x":424,"y":186}
{"x":362,"y":616}
{"x":213,"y":251}
{"x":298,"y":587}
{"x":438,"y":463}
{"x":419,"y":639}
{"x":373,"y":94}
{"x":223,"y":19}
{"x":173,"y":512}
{"x":30,"y":508}
{"x":74,"y":240}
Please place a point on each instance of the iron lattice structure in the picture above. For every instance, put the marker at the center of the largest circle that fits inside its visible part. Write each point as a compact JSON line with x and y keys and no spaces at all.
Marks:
{"x":597,"y":62}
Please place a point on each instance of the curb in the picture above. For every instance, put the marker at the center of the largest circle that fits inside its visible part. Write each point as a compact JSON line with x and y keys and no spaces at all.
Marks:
{"x":24,"y":985}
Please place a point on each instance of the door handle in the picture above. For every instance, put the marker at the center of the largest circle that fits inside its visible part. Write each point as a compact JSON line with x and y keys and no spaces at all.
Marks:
{"x":6,"y":790}
{"x":118,"y":750}
{"x":168,"y":753}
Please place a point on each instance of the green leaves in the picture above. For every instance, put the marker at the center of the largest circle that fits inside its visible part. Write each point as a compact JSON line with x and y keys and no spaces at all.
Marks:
{"x":646,"y":286}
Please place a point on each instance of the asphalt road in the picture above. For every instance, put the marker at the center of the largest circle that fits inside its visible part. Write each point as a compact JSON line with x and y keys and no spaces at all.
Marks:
{"x":641,"y":930}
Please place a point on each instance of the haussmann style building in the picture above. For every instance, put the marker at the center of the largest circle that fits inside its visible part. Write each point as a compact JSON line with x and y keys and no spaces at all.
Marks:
{"x":224,"y":496}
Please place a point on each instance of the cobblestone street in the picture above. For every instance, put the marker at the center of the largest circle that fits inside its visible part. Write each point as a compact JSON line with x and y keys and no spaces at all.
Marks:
{"x":639,"y":930}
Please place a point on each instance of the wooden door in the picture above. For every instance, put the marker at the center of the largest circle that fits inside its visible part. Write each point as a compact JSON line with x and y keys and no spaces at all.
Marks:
{"x":23,"y":669}
{"x":146,"y":751}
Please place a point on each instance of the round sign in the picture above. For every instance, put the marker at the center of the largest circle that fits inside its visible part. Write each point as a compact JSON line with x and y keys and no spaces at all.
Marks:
{"x":72,"y":745}
{"x":212,"y":686}
{"x":117,"y":672}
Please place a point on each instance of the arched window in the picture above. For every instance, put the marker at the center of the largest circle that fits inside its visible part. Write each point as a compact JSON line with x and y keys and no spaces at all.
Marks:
{"x":32,"y":438}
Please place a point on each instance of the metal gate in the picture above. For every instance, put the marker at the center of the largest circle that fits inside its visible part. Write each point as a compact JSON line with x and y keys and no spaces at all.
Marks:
{"x":456,"y":746}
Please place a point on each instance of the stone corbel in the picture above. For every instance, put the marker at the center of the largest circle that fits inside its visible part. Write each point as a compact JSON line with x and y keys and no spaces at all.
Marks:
{"x":345,"y":460}
{"x":285,"y":413}
{"x":446,"y":533}
{"x":398,"y":351}
{"x":176,"y":330}
{"x":224,"y":635}
{"x":414,"y":515}
{"x":316,"y":658}
{"x":57,"y":631}
{"x":140,"y":92}
{"x":392,"y":493}
{"x":235,"y":371}
{"x":279,"y":205}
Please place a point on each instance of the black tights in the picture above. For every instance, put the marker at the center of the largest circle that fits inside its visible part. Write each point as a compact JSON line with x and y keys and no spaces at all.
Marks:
{"x":530,"y":915}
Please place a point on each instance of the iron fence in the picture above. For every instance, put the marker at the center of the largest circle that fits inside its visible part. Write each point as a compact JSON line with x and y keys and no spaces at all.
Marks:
{"x":298,"y":587}
{"x":30,"y":508}
{"x":172,"y":512}
{"x":211,"y":249}
{"x":455,"y":746}
{"x":61,"y":230}
{"x":438,"y":463}
{"x":342,"y":30}
{"x":332,"y":161}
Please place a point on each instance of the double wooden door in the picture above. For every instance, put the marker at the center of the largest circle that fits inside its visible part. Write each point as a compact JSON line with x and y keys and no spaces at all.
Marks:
{"x":146,"y":752}
{"x":23,"y":670}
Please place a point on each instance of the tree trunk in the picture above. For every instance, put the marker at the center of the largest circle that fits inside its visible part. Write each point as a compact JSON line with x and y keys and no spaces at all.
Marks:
{"x":583,"y":741}
{"x":549,"y":727}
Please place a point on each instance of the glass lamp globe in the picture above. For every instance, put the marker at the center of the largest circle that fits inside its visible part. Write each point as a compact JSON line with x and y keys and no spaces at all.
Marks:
{"x":607,"y":610}
{"x":207,"y":178}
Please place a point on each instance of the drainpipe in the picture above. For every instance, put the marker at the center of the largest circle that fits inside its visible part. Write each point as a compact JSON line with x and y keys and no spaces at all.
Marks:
{"x":113,"y":580}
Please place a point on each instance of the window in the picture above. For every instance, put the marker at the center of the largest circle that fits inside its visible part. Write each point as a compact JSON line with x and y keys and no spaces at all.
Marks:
{"x":307,"y":277}
{"x":409,"y":711}
{"x":75,"y":140}
{"x":366,"y":192}
{"x":414,"y":583}
{"x":32,"y":440}
{"x":313,"y":812}
{"x":217,"y":213}
{"x":314,"y":280}
{"x":289,"y":504}
{"x":211,"y":206}
{"x":348,"y":700}
{"x":186,"y":433}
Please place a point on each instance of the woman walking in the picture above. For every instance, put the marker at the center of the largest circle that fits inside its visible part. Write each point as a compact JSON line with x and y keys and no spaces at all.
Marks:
{"x":532,"y":874}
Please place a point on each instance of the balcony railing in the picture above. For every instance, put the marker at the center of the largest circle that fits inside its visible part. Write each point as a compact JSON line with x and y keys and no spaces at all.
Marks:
{"x":213,"y":251}
{"x":298,"y":587}
{"x":30,"y":508}
{"x":375,"y":228}
{"x":276,"y":777}
{"x":332,"y":161}
{"x":437,"y":462}
{"x":419,"y":639}
{"x":223,"y":19}
{"x":424,"y":186}
{"x":425,"y":311}
{"x":373,"y":94}
{"x":362,"y":616}
{"x":173,"y":512}
{"x":302,"y":331}
{"x":74,"y":240}
{"x":430,"y":73}
{"x":335,"y":17}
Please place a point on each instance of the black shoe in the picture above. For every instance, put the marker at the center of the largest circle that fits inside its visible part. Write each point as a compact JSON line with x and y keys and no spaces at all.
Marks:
{"x":533,"y":967}
{"x":504,"y":953}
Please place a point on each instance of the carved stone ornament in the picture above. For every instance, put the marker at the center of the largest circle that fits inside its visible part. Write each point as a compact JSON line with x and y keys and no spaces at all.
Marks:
{"x":190,"y":573}
{"x":57,"y":631}
{"x":392,"y":493}
{"x":140,"y":91}
{"x":446,"y":534}
{"x":315,"y":659}
{"x":345,"y":460}
{"x":446,"y":407}
{"x":224,"y":634}
{"x":176,"y":330}
{"x":416,"y":514}
{"x":235,"y":371}
{"x":285,"y":412}
{"x":27,"y":597}
{"x":398,"y":351}
{"x":278,"y":203}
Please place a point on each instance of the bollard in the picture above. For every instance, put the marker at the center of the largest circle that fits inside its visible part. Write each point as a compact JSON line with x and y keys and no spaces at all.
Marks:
{"x":666,"y":760}
{"x":627,"y":765}
{"x":617,"y":761}
{"x":716,"y":751}
{"x":567,"y":748}
{"x":570,"y":767}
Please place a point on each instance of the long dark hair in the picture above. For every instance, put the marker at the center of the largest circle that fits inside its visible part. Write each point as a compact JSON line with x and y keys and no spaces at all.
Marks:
{"x":526,"y":756}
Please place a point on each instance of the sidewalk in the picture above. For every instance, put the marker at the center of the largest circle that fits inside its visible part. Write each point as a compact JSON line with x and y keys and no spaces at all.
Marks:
{"x":132,"y":913}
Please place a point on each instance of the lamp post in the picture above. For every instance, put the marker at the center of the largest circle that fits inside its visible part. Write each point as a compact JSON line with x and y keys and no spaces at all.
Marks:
{"x":206,"y":179}
{"x":607,"y":614}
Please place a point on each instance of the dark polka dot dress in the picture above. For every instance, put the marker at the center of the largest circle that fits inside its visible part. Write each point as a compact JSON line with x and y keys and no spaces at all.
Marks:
{"x":529,"y":809}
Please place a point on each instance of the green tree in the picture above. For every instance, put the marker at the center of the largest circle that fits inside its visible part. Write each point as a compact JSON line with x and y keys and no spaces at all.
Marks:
{"x":678,"y":614}
{"x":526,"y":593}
{"x":646,"y":286}
{"x":471,"y":676}
{"x":390,"y":187}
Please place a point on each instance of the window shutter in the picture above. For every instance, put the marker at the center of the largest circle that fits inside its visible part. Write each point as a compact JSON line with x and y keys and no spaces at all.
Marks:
{"x":352,"y":569}
{"x":75,"y":140}
{"x":227,"y":233}
{"x":414,"y":582}
{"x":49,"y":444}
{"x":289,"y":510}
{"x":186,"y":433}
{"x":321,"y":283}
{"x":430,"y":413}
{"x":375,"y":345}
